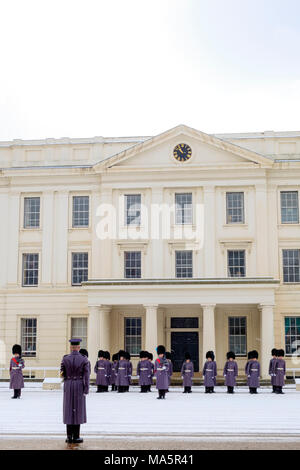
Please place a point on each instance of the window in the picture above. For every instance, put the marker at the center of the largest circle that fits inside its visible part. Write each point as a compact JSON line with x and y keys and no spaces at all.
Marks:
{"x":291,"y":262}
{"x":183,"y":208}
{"x":289,"y":207}
{"x":31,"y":212}
{"x":79,"y":268}
{"x":79,"y":330}
{"x":132,"y":261}
{"x":236,"y":263}
{"x":184,"y":322}
{"x":133,"y":335}
{"x":238,"y":335}
{"x":132,"y":209}
{"x":292,"y":335}
{"x":234,"y":208}
{"x":80,"y":211}
{"x":30,"y":269}
{"x":184,"y":263}
{"x":28,"y":336}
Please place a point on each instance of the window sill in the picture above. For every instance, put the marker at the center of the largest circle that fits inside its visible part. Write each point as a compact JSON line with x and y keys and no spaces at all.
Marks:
{"x":235,"y":225}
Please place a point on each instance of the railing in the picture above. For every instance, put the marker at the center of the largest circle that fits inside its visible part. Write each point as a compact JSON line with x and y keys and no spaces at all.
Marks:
{"x":33,"y":369}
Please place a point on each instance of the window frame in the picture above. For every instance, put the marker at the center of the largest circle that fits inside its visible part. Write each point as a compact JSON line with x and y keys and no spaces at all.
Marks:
{"x":126,"y":209}
{"x":182,"y":267}
{"x":229,"y":317}
{"x":191,"y":209}
{"x":124,"y":265}
{"x":139,"y":345}
{"x":245,"y":264}
{"x":73,"y":196}
{"x":23,"y":254}
{"x":23,"y":319}
{"x":283,"y":266}
{"x":226,"y":207}
{"x":282,"y":191}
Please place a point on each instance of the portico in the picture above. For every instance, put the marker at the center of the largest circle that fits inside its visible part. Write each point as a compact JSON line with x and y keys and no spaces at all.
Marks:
{"x":156,"y":301}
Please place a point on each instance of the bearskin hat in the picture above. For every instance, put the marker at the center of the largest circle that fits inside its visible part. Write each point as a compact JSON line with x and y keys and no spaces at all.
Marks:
{"x":127,"y":356}
{"x":121,"y":353}
{"x":210,"y":354}
{"x":250,"y":356}
{"x":150,"y":356}
{"x":115,"y":357}
{"x":168,"y":355}
{"x":16,"y":349}
{"x":143,"y":354}
{"x":230,"y":355}
{"x":107,"y":355}
{"x":280,"y":353}
{"x":160,"y":349}
{"x":187,"y":355}
{"x":274,"y":352}
{"x":254,"y":354}
{"x":84,"y":352}
{"x":100,"y":353}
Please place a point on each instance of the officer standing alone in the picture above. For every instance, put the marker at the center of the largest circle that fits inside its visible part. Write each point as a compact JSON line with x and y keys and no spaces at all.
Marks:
{"x":75,"y":371}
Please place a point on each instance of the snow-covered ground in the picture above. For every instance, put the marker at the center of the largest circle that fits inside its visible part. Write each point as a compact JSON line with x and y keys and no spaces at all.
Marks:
{"x":40,"y":413}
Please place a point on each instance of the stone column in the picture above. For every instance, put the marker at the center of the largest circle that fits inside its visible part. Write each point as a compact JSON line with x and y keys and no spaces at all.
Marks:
{"x":266,"y":337}
{"x":209,"y":231}
{"x":61,"y":238}
{"x":156,"y":227}
{"x":151,"y":328}
{"x":209,"y":335}
{"x":98,"y":331}
{"x":47,"y":226}
{"x":13,"y":238}
{"x":261,"y":214}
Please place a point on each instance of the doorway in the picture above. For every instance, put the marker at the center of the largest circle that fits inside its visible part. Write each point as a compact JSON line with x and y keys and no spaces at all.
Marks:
{"x":181,"y":342}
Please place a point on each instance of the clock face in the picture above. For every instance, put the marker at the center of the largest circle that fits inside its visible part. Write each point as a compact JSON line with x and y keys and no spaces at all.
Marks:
{"x":182,"y":152}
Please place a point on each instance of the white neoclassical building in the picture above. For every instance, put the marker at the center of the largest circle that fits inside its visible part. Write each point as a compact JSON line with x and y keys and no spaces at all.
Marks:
{"x":186,"y":239}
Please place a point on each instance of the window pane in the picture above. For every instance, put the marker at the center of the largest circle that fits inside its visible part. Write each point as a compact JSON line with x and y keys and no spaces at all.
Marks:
{"x":183,"y":208}
{"x":79,"y":268}
{"x":132,"y":209}
{"x":31,"y":212}
{"x":30,"y":269}
{"x":289,"y":207}
{"x":291,"y":265}
{"x":237,"y":335}
{"x":28,"y":336}
{"x":80,"y":211}
{"x":133,"y":335}
{"x":292,"y":335}
{"x":234,"y":208}
{"x":184,"y":264}
{"x":79,"y":330}
{"x":236,"y":263}
{"x":132,"y":264}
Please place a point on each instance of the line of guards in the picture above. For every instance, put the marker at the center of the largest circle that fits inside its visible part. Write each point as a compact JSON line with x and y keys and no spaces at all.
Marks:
{"x":118,"y":373}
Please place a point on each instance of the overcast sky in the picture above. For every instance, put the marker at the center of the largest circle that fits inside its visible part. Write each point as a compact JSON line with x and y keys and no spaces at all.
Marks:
{"x":138,"y":67}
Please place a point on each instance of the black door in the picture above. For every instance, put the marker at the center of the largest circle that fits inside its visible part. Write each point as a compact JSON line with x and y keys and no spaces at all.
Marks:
{"x":182,"y":342}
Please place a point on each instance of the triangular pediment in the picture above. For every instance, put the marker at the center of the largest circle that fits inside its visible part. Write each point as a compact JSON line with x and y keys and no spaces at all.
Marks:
{"x":207,"y":151}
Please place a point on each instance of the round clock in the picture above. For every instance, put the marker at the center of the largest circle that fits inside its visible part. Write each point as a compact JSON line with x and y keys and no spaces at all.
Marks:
{"x":182,"y":152}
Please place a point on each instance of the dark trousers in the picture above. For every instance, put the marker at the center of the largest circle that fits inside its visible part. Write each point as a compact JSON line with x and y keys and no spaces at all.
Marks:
{"x":102,"y":388}
{"x":252,"y":390}
{"x":144,"y":388}
{"x":17,"y":392}
{"x":209,"y":389}
{"x":161,"y":393}
{"x":278,"y":390}
{"x":113,"y":387}
{"x":230,"y":389}
{"x":187,"y":390}
{"x":73,"y":431}
{"x":121,"y":389}
{"x":148,"y":388}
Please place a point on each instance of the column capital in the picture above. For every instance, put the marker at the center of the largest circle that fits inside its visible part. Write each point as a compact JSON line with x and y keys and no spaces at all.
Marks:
{"x":150,"y":306}
{"x":208,"y":305}
{"x":267,"y":305}
{"x":100,"y":308}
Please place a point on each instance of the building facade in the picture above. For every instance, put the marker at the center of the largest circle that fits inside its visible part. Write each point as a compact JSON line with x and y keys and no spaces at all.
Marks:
{"x":186,"y":239}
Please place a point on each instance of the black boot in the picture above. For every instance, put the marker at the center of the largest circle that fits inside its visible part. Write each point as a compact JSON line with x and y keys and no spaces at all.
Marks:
{"x":185,"y":390}
{"x":207,"y":390}
{"x":189,"y":389}
{"x":274,"y":389}
{"x":15,"y":393}
{"x":19,"y":393}
{"x":159,"y":394}
{"x":69,"y":439}
{"x":76,"y":438}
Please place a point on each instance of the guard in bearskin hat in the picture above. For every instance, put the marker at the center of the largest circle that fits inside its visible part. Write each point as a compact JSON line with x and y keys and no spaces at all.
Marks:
{"x":102,"y":370}
{"x":187,"y":373}
{"x":144,"y":372}
{"x":252,"y":371}
{"x":127,"y":356}
{"x":113,"y":372}
{"x":85,"y":353}
{"x":279,"y":369}
{"x":123,"y":372}
{"x":230,"y":372}
{"x":161,"y":371}
{"x":150,"y":359}
{"x":271,"y":367}
{"x":170,"y":373}
{"x":210,"y":372}
{"x":15,"y":370}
